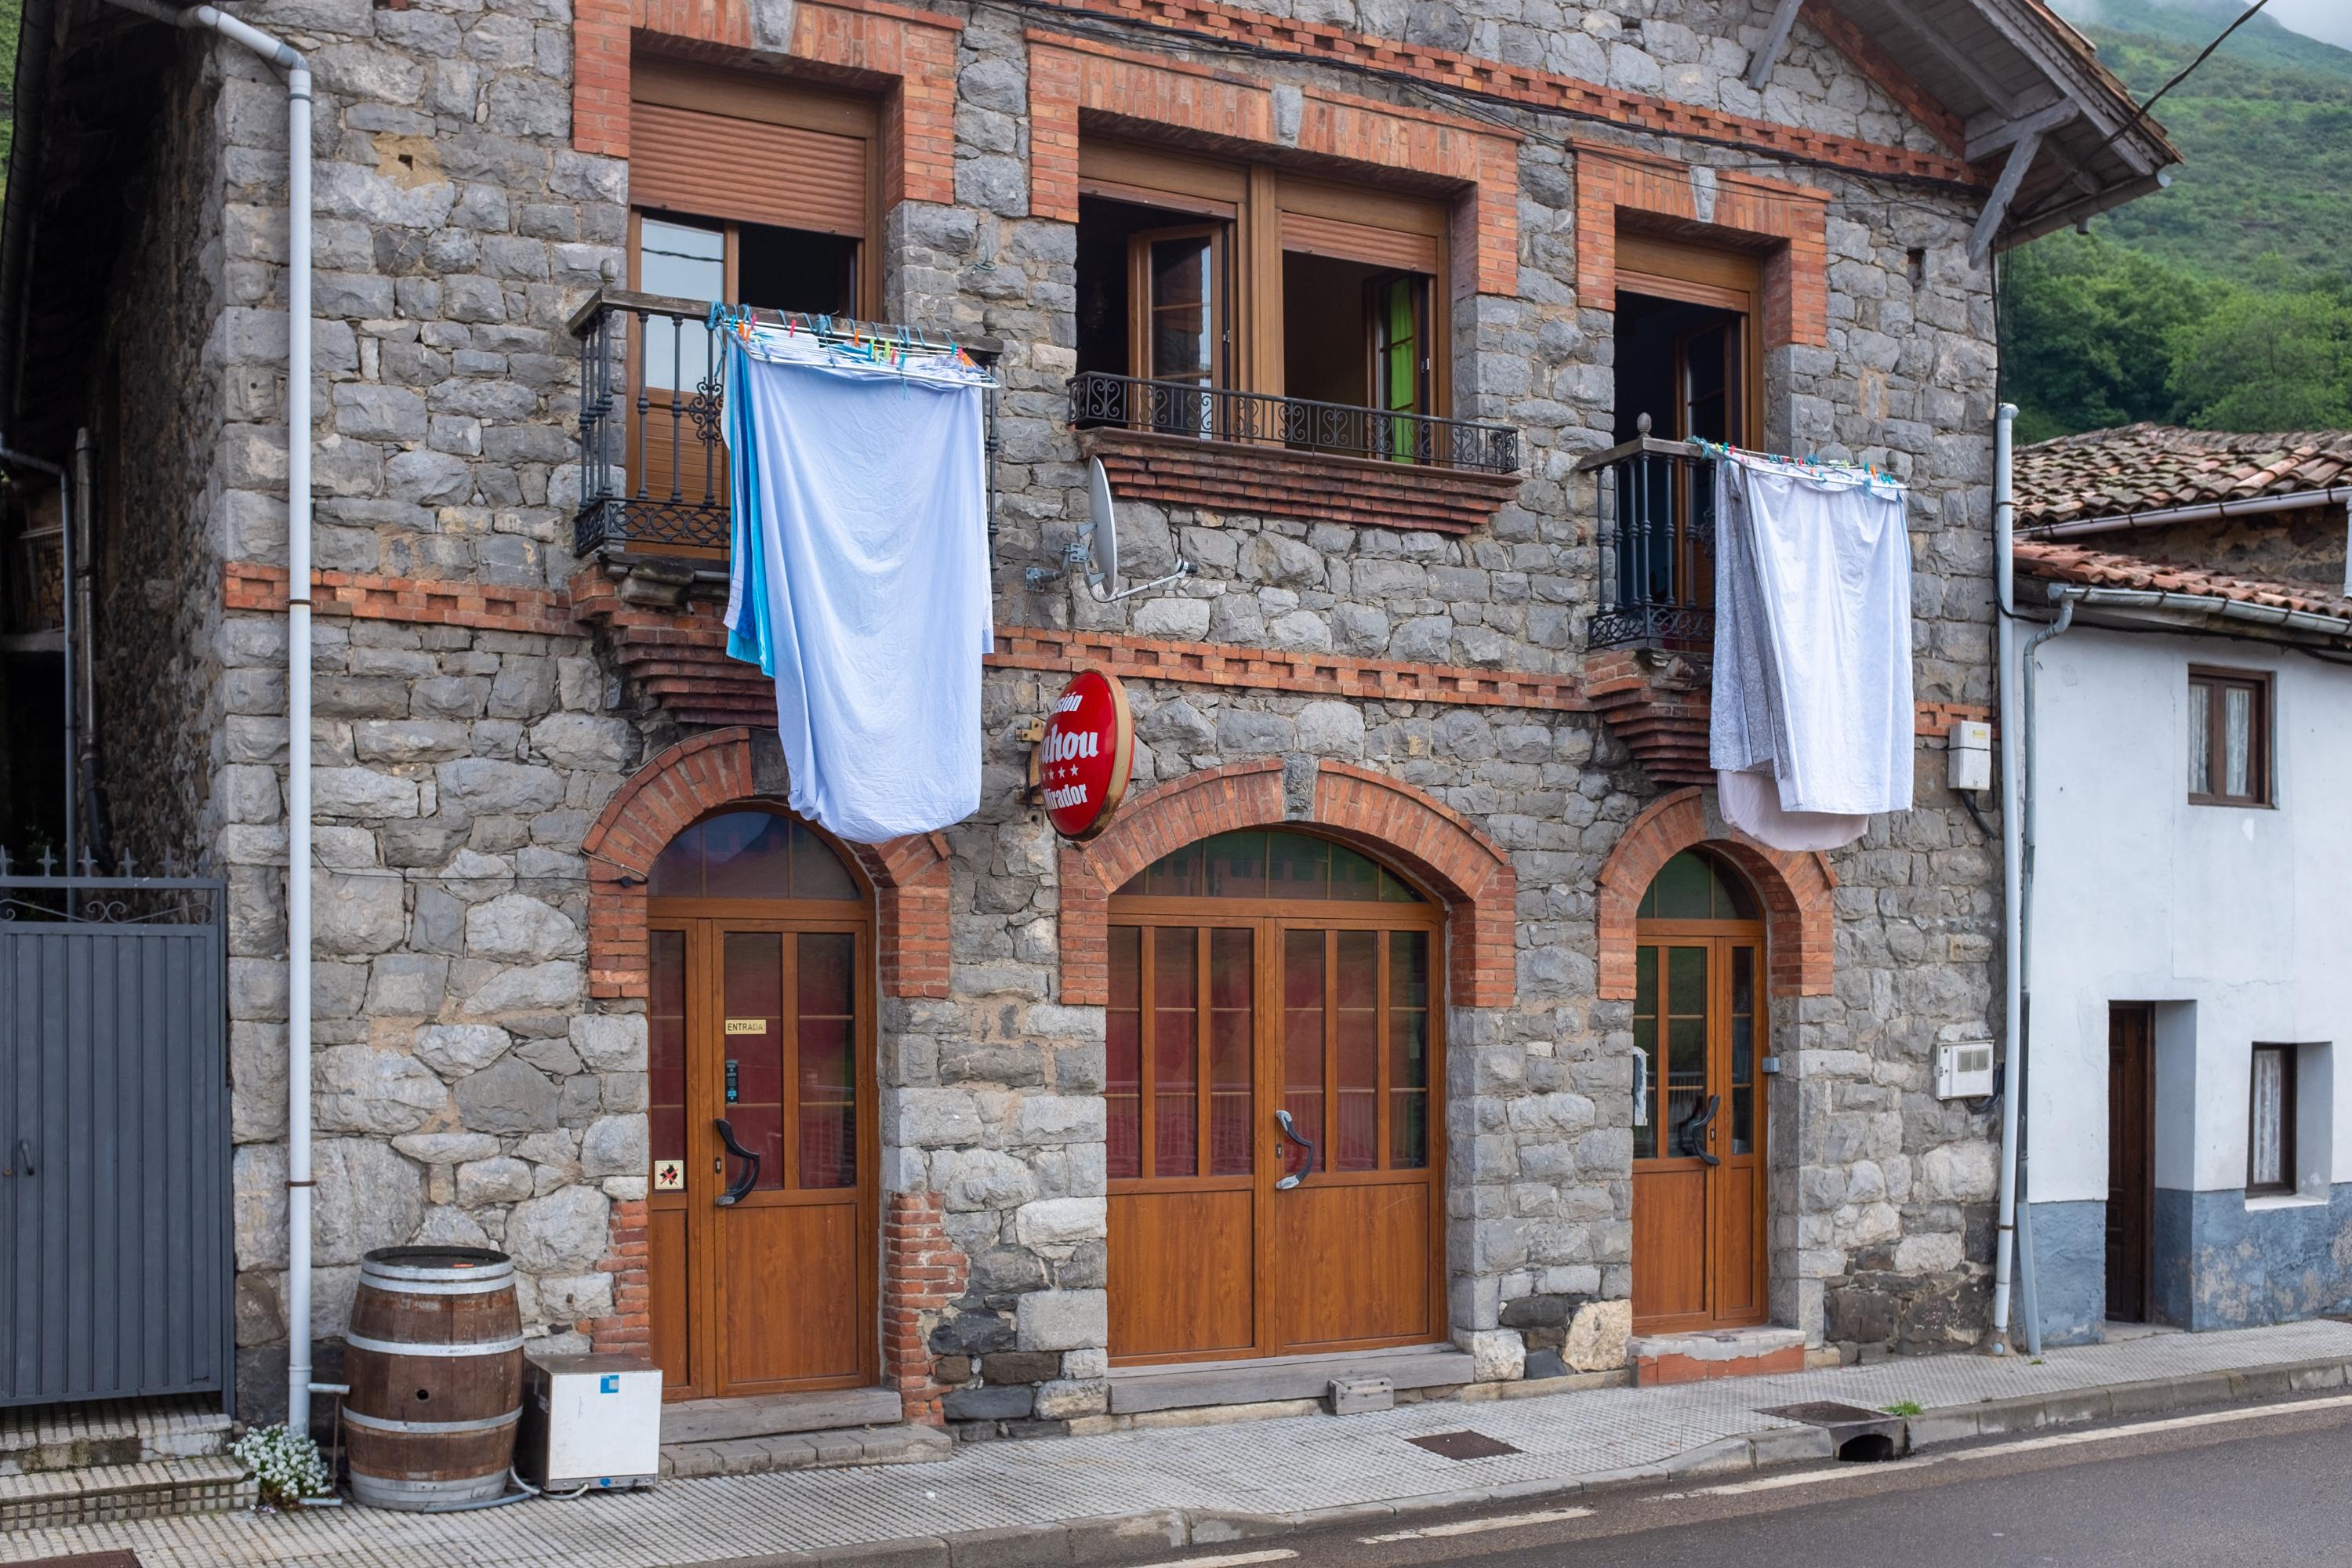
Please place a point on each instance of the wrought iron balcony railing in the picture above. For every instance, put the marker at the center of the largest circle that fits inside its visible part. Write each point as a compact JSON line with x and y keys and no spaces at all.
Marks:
{"x":1223,"y":414}
{"x":653,"y":453}
{"x":1658,"y":544}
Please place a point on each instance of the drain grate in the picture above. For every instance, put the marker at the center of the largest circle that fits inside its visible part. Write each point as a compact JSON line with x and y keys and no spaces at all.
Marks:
{"x":1827,"y":1413}
{"x":1464,"y":1445}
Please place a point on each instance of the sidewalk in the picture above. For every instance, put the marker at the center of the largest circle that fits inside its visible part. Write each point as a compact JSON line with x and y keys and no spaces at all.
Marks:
{"x":1150,"y":1493}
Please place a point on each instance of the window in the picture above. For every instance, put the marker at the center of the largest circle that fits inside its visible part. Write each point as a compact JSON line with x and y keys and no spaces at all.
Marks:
{"x":2229,"y":737}
{"x":2270,"y":1143}
{"x":1220,"y":277}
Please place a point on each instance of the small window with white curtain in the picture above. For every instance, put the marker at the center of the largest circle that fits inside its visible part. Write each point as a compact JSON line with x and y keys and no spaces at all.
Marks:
{"x":2270,"y":1146}
{"x":2229,"y":737}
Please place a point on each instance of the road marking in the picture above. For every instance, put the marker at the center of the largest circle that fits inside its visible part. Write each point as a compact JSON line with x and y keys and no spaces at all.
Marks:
{"x":1479,"y":1526}
{"x":1810,"y":1477}
{"x":1230,"y":1559}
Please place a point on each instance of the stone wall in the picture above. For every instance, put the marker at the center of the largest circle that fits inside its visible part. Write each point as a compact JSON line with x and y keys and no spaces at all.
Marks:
{"x":467,"y":1088}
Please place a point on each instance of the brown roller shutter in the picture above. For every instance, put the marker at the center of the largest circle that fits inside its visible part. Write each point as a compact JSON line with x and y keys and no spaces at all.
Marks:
{"x":713,"y":165}
{"x":1358,"y":242}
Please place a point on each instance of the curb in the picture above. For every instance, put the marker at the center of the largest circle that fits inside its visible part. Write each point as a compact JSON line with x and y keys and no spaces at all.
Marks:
{"x":1120,"y":1540}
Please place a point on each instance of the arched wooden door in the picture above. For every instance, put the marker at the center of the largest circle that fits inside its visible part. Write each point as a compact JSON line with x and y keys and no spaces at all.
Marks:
{"x":1260,"y":978}
{"x":762,"y":1111}
{"x":1700,"y":1170}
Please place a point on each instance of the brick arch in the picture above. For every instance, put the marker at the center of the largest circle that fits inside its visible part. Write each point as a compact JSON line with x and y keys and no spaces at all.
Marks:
{"x":1416,"y":834}
{"x":733,"y":768}
{"x":1796,"y":889}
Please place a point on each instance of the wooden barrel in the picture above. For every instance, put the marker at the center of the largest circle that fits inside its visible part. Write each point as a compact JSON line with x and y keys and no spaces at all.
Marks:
{"x":435,"y":1372}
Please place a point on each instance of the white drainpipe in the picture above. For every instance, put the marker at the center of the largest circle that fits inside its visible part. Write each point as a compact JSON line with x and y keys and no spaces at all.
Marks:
{"x":298,"y":675}
{"x":2012,"y":862}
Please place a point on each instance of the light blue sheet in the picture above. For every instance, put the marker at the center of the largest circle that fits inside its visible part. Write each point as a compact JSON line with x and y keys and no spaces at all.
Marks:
{"x":860,"y":575}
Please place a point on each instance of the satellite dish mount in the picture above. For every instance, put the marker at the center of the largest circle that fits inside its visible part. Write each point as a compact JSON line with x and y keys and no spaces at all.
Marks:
{"x":1093,"y":556}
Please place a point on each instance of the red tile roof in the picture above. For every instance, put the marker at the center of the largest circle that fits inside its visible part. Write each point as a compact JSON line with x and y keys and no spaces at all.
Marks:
{"x":2146,"y":468}
{"x":2056,"y":562}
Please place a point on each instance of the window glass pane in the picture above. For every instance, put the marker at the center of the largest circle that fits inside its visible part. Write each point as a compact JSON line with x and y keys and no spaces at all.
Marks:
{"x":677,"y":873}
{"x":1685,"y":889}
{"x":688,"y":263}
{"x":1172,"y":875}
{"x":1358,"y":1023}
{"x":1302,"y":1036}
{"x":1237,"y":865}
{"x":1408,"y":1051}
{"x":1253,"y":864}
{"x":1353,"y":876}
{"x":1183,"y":313}
{"x":1732,"y":899}
{"x":827,"y":1069}
{"x":2200,"y":742}
{"x":1645,"y":1040}
{"x":1233,"y":1020}
{"x":1685,"y":1026}
{"x":1175,"y":1044}
{"x":2237,"y":742}
{"x":665,"y":1045}
{"x":2266,"y":1157}
{"x":746,"y":855}
{"x":817,"y":869}
{"x":1298,"y":867}
{"x":1123,"y":1026}
{"x":753,"y":987}
{"x":1394,"y":889}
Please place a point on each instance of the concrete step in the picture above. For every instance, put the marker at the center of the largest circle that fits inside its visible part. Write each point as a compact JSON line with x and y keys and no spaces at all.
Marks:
{"x":45,"y":1499}
{"x":766,"y":1415}
{"x":894,"y":1445}
{"x":1703,"y":1355}
{"x":1137,"y":1389}
{"x":44,"y":1437}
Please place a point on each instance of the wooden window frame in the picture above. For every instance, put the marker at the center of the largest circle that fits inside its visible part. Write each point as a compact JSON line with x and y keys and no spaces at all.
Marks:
{"x":1140,"y":305}
{"x":1249,"y":200}
{"x":1703,"y":275}
{"x":2287,"y":1184}
{"x":2206,"y":684}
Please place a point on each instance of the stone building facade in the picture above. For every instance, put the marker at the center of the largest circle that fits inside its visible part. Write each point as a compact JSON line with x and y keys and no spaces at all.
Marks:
{"x":508,"y":735}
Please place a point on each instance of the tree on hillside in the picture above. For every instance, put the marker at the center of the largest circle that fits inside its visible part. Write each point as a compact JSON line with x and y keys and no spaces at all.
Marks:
{"x":2087,"y":328}
{"x":2266,"y":362}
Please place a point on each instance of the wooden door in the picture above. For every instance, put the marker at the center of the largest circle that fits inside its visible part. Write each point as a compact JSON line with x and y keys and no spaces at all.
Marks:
{"x":761,"y":1219}
{"x":1699,"y":1169}
{"x":2131,"y":1158}
{"x":1228,"y":1238}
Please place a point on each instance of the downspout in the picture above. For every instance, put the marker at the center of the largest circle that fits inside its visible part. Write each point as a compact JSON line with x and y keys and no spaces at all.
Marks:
{"x":298,"y":675}
{"x":2004,"y":525}
{"x":2065,"y":599}
{"x":93,"y":820}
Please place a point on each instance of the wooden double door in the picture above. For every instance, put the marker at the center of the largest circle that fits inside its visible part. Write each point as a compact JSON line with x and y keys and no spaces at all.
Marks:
{"x":761,"y":1212}
{"x":1276,"y":1130}
{"x":1700,"y":1170}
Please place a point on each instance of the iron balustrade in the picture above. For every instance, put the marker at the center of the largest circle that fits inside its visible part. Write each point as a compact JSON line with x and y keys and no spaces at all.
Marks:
{"x":1263,"y":418}
{"x":653,"y":452}
{"x":1658,"y":544}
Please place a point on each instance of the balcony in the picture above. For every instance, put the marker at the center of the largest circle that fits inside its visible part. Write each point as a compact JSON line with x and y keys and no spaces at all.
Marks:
{"x":1181,"y":443}
{"x":1657,"y":545}
{"x":653,"y":453}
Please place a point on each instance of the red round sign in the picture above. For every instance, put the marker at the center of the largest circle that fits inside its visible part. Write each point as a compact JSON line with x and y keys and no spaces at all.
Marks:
{"x":1083,"y":762}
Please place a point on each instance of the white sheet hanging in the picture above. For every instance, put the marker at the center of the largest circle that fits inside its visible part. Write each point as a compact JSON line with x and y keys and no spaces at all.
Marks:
{"x":860,"y":576}
{"x":1751,"y":803}
{"x":1812,"y":667}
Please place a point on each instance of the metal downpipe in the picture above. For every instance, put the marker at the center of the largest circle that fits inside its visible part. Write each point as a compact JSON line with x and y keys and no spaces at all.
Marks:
{"x":2004,"y":525}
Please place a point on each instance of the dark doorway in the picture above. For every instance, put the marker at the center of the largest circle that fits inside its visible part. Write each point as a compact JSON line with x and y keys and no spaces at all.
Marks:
{"x":2131,"y":1157}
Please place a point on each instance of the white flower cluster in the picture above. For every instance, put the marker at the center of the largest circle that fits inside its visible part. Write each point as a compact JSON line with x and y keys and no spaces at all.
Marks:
{"x":286,"y":1463}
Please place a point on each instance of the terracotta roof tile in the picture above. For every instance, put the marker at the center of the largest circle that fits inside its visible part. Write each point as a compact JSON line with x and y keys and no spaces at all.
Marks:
{"x":2054,"y":562}
{"x":2145,"y":468}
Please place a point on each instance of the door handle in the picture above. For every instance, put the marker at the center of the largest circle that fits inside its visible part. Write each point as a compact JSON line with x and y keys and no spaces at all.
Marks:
{"x":750,"y":1176}
{"x":1290,"y":1131}
{"x":1689,"y":1134}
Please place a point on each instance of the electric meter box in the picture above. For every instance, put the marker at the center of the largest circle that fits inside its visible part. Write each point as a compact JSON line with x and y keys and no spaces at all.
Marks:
{"x":1964,"y":1069}
{"x":1967,"y":755}
{"x":589,"y":1421}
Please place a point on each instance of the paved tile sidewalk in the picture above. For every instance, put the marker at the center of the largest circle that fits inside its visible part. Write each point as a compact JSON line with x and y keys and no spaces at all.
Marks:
{"x":1264,"y":1466}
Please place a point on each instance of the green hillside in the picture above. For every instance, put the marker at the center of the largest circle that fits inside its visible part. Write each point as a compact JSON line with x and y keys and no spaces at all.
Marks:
{"x":2225,"y":301}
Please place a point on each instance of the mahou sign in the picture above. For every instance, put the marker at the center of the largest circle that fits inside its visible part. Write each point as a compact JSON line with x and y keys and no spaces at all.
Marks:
{"x":1083,"y":762}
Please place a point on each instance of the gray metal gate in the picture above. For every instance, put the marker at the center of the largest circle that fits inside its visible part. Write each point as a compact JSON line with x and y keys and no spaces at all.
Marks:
{"x":114,"y":1139}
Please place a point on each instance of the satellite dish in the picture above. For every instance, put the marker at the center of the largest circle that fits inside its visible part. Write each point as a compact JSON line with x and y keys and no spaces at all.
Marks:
{"x":1102,"y":540}
{"x":1096,"y":551}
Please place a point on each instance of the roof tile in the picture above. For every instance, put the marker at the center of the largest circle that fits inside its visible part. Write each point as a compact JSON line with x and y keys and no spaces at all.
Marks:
{"x":2147,"y":467}
{"x":2057,"y":562}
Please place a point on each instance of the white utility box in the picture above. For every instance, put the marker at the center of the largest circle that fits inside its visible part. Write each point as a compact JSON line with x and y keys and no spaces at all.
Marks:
{"x":591,"y":1421}
{"x":1967,"y":755}
{"x":1964,"y":1069}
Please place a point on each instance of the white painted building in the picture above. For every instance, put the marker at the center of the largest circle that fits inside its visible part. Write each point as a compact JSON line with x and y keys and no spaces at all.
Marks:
{"x":2190,"y":947}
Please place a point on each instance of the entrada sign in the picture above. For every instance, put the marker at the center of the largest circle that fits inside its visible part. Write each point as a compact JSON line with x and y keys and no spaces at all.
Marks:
{"x":1085,"y":758}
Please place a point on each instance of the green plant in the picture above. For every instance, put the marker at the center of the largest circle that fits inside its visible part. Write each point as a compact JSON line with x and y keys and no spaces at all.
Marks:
{"x":1904,"y":1407}
{"x":287,"y":1464}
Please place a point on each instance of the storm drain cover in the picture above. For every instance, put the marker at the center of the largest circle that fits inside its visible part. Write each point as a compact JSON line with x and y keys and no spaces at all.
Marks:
{"x":86,"y":1560}
{"x":1463,"y":1446}
{"x":1826,"y":1413}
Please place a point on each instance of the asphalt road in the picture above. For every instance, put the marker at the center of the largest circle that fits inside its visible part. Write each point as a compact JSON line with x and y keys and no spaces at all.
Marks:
{"x":2244,"y":1488}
